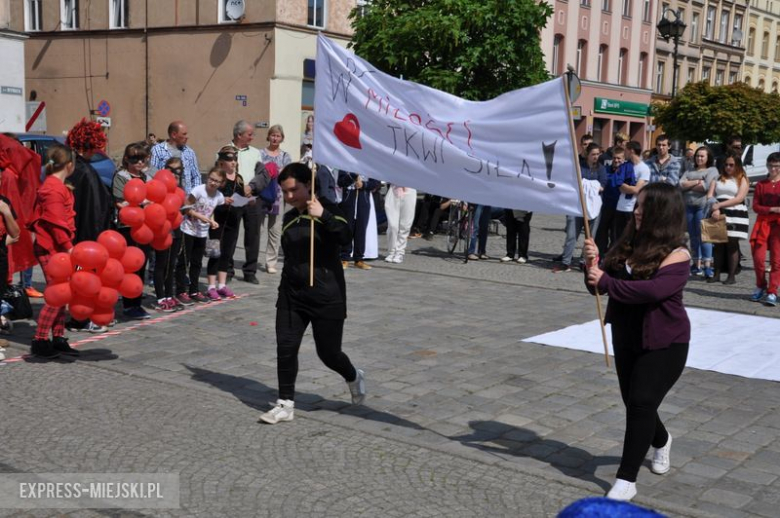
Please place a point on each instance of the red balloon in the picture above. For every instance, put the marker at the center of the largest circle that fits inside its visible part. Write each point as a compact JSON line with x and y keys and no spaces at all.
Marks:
{"x":106,"y":297}
{"x":133,"y":259}
{"x":164,"y":230}
{"x":142,"y":235}
{"x":132,"y":216}
{"x":165,"y":176}
{"x":135,"y":191}
{"x":90,"y":255}
{"x":81,"y":308}
{"x":131,"y":286}
{"x":171,"y":204}
{"x":58,"y":295}
{"x":155,"y":215}
{"x":102,"y":316}
{"x":163,"y":242}
{"x":181,"y":194}
{"x":156,"y":191}
{"x":115,"y":243}
{"x":176,"y":222}
{"x":112,"y":274}
{"x":86,"y":284}
{"x":60,"y":267}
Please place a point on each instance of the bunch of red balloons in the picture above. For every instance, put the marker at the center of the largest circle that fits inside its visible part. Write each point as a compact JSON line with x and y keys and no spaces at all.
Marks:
{"x":90,"y":279}
{"x":153,"y":223}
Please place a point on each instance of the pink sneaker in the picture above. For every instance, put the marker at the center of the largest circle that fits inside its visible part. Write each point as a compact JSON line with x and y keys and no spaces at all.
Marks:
{"x":226,"y":293}
{"x":213,"y":295}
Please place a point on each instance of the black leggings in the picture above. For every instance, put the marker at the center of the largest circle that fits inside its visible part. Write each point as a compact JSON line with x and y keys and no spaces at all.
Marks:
{"x":645,"y":377}
{"x":227,"y":233}
{"x":290,"y":326}
{"x":165,"y":266}
{"x":190,"y":260}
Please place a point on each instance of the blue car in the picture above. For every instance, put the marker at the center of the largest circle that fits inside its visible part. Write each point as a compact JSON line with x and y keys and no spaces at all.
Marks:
{"x":40,"y":143}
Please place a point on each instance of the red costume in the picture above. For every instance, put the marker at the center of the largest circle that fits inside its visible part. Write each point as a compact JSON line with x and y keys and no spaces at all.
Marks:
{"x":20,"y":182}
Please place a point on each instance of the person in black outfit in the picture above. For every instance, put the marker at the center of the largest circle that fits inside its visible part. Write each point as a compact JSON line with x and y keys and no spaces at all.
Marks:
{"x":356,"y":205}
{"x":324,"y":305}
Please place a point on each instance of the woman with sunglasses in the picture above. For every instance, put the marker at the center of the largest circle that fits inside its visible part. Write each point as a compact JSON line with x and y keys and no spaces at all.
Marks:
{"x":729,"y":192}
{"x":135,"y":162}
{"x":229,"y":220}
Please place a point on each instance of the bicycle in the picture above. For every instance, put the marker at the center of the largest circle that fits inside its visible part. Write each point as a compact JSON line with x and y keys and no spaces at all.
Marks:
{"x":460,"y":224}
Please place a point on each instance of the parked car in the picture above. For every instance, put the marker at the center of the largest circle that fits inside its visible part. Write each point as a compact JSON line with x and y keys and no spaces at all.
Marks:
{"x":754,"y":160}
{"x":40,"y":143}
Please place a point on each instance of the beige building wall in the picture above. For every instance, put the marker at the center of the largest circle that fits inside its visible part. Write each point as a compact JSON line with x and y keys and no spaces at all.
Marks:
{"x":689,"y":49}
{"x":5,"y":14}
{"x":761,"y":68}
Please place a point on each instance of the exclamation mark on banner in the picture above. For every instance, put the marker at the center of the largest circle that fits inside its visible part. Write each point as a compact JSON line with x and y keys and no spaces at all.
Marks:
{"x":549,"y":153}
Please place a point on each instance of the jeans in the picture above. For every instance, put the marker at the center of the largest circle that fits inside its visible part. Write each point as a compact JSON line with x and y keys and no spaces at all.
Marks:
{"x":27,"y":277}
{"x":574,"y":226}
{"x":700,"y":250}
{"x":480,"y":232}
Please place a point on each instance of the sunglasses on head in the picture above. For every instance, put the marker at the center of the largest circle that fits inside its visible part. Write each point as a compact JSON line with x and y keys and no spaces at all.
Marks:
{"x":227,"y":156}
{"x":134,"y":159}
{"x":176,"y":170}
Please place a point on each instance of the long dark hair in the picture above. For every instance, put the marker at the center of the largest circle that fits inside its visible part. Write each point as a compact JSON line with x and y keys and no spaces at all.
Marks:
{"x":662,"y":231}
{"x":739,"y":170}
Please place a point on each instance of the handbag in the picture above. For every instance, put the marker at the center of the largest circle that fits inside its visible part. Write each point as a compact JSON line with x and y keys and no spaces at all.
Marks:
{"x":19,"y":302}
{"x":213,"y":248}
{"x":714,"y":231}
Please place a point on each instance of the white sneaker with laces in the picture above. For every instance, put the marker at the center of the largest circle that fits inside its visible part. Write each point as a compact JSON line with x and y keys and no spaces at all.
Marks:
{"x":358,"y":388}
{"x":506,"y":259}
{"x":282,"y":411}
{"x":390,"y":258}
{"x":522,"y":260}
{"x":661,"y":463}
{"x":623,"y":490}
{"x":398,"y":259}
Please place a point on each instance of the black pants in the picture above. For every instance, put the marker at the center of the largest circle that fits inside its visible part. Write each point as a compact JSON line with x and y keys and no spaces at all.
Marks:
{"x":517,"y":234}
{"x":250,"y":215}
{"x":165,"y":267}
{"x":227,"y":233}
{"x":619,"y":224}
{"x":136,"y":302}
{"x":645,"y":377}
{"x":356,"y":206}
{"x":605,"y":235}
{"x":190,"y":262}
{"x":290,"y":326}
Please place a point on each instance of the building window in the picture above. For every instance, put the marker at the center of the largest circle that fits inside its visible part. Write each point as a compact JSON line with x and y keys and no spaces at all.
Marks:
{"x":642,"y":69}
{"x":719,"y":78}
{"x":627,"y":8}
{"x":362,"y":8}
{"x":69,"y":14}
{"x":765,"y":46}
{"x":585,"y":3}
{"x":316,"y":16}
{"x":732,"y":78}
{"x":647,"y":13}
{"x":32,"y":15}
{"x":761,"y":84}
{"x":601,"y":69}
{"x":622,"y":66}
{"x":705,"y":74}
{"x":724,"y":26}
{"x":751,"y":44}
{"x":557,"y":56}
{"x":695,"y":27}
{"x":659,"y":77}
{"x":747,"y":80}
{"x":117,"y":14}
{"x":709,"y":29}
{"x":737,"y":27}
{"x":774,"y":87}
{"x":605,"y":6}
{"x":582,"y":57}
{"x":691,"y":75}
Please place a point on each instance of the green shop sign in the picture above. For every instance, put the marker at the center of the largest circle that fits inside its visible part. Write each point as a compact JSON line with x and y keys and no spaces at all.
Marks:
{"x":631,"y":109}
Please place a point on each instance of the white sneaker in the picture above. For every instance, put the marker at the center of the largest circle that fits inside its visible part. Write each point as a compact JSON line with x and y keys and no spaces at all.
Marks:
{"x":522,"y":260}
{"x":358,"y":388}
{"x":661,"y":463}
{"x":283,"y":411}
{"x":390,"y":258}
{"x":2,"y":353}
{"x":398,"y":259}
{"x":623,"y":490}
{"x":506,"y":259}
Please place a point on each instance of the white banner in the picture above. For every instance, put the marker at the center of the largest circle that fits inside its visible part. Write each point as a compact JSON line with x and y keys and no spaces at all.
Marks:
{"x":514,"y":151}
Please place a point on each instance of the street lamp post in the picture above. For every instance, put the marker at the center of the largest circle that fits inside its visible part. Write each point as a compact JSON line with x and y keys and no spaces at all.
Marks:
{"x":671,"y":26}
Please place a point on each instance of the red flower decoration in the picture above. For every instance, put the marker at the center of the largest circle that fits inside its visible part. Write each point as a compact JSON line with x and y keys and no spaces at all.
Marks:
{"x":86,"y":136}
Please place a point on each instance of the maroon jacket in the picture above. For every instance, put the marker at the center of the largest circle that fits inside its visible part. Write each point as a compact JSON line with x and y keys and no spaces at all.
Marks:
{"x":660,"y":297}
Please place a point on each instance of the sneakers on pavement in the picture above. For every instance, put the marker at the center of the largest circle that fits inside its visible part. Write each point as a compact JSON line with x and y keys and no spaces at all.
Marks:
{"x":226,"y":293}
{"x":506,"y":259}
{"x":561,"y":268}
{"x":184,"y":299}
{"x":770,"y":300}
{"x":95,"y":329}
{"x":398,"y":259}
{"x":251,"y":279}
{"x":6,"y":325}
{"x":213,"y":295}
{"x":484,"y":257}
{"x":284,"y":410}
{"x":358,"y":388}
{"x":390,"y":258}
{"x":33,"y":293}
{"x":165,"y":306}
{"x":623,"y":490}
{"x":136,"y":313}
{"x":473,"y":257}
{"x":199,"y":297}
{"x":271,"y":270}
{"x":758,"y":294}
{"x":661,"y":462}
{"x":522,"y":260}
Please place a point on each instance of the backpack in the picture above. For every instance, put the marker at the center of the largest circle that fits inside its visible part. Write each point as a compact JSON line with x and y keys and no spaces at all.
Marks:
{"x":268,"y":194}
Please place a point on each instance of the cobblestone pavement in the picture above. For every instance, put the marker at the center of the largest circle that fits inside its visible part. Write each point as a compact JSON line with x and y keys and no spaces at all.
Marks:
{"x":448,"y":379}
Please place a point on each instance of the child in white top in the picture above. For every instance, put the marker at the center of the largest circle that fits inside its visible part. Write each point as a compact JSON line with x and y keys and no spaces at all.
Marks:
{"x":195,"y":228}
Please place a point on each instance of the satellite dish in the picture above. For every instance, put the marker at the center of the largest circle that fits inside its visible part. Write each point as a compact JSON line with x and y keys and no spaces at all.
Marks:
{"x":235,"y":9}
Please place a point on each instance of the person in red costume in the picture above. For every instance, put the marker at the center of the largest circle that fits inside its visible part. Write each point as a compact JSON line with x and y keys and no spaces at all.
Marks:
{"x":766,"y":233}
{"x":55,"y":228}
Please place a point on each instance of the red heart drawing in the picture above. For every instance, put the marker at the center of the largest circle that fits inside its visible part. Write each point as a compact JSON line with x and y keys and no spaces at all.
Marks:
{"x":348,"y":131}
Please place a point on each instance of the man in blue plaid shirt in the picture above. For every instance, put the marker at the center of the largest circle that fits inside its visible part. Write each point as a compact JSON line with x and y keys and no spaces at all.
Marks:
{"x":176,"y":146}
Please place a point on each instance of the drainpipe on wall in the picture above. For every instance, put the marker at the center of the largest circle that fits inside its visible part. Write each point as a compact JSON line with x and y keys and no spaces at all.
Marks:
{"x":146,"y":65}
